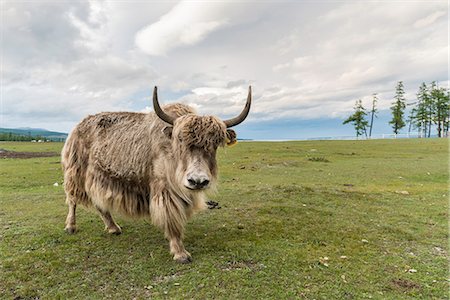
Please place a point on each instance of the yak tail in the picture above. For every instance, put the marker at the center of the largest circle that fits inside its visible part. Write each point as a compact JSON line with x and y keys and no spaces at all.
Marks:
{"x":74,"y":159}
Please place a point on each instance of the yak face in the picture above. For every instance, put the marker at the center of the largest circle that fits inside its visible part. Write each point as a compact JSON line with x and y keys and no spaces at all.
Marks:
{"x":195,"y":140}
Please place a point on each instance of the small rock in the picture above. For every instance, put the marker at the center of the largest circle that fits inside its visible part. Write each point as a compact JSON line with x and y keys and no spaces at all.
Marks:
{"x":240,"y":226}
{"x":343,"y":257}
{"x":438,"y":249}
{"x":55,"y":184}
{"x":324,"y":261}
{"x":412,"y":271}
{"x":402,"y":192}
{"x":148,"y":287}
{"x":176,"y":284}
{"x":364,"y":241}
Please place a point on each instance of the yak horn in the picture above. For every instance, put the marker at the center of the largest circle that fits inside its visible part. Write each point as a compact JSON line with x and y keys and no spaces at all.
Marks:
{"x":159,"y":112}
{"x":239,"y":119}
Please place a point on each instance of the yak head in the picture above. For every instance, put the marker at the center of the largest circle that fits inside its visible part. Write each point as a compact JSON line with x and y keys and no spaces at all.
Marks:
{"x":195,"y":140}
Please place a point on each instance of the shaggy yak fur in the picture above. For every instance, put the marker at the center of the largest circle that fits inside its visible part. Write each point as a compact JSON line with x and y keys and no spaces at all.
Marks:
{"x":135,"y":164}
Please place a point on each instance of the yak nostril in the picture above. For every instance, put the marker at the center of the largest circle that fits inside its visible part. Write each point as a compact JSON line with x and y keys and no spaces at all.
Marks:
{"x":204,"y":183}
{"x":192,"y":182}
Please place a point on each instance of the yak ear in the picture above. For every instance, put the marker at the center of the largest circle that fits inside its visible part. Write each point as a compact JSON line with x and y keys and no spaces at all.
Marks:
{"x":231,"y":137}
{"x":167,"y":131}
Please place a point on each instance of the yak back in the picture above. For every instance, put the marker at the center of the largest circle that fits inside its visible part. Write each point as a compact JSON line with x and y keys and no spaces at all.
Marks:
{"x":124,"y":144}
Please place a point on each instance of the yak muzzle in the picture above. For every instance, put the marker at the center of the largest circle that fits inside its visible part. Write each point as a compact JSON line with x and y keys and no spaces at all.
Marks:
{"x":197,"y":183}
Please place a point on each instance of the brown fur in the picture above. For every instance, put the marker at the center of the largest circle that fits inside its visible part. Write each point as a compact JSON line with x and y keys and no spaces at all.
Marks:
{"x":133,"y":163}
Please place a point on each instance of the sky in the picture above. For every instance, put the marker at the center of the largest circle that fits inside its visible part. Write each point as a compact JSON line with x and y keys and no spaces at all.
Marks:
{"x":307,"y":61}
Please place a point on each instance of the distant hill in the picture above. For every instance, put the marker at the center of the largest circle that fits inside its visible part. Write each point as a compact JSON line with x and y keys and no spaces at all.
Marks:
{"x":30,"y":134}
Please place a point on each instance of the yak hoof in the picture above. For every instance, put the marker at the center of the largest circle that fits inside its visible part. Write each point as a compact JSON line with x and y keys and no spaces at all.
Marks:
{"x":114,"y":230}
{"x":184,"y":258}
{"x":70,"y":230}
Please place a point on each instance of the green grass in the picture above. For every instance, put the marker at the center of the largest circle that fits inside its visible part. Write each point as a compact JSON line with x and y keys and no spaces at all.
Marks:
{"x":313,"y":220}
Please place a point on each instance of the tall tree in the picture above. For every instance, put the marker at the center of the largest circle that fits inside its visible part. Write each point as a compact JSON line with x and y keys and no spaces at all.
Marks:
{"x":358,"y":119}
{"x":398,"y":109}
{"x":421,"y":117}
{"x":440,"y":100}
{"x":431,"y":108}
{"x":373,"y":112}
{"x":447,"y":120}
{"x":410,"y":120}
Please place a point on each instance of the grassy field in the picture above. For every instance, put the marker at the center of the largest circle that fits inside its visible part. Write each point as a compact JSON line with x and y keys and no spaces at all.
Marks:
{"x":312,"y":220}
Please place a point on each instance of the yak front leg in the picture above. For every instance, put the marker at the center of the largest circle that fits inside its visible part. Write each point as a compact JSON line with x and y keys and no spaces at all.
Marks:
{"x":177,"y":248}
{"x":71,"y":219}
{"x":170,"y":216}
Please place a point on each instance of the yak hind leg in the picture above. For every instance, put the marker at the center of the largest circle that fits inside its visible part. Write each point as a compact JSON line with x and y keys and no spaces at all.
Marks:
{"x":110,"y":225}
{"x":71,"y":218}
{"x":171,"y":217}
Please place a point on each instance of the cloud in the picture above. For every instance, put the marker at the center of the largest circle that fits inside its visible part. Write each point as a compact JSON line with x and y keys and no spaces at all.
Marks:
{"x":430,"y":19}
{"x":34,"y":33}
{"x":189,"y":23}
{"x":186,"y":24}
{"x":63,"y":68}
{"x":362,"y":49}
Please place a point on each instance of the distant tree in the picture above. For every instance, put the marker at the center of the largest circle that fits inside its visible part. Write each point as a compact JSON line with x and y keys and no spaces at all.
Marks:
{"x":410,"y":119}
{"x":441,"y":105}
{"x":9,"y":136}
{"x":373,"y":112}
{"x":430,"y":108}
{"x":447,"y":120}
{"x":398,"y":109}
{"x":358,"y":119}
{"x":421,"y":116}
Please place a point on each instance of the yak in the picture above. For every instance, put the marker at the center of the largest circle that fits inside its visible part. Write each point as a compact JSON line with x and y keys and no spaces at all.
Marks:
{"x":156,"y":165}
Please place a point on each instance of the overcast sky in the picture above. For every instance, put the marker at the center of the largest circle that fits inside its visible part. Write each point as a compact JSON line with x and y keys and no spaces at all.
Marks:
{"x":308,"y":61}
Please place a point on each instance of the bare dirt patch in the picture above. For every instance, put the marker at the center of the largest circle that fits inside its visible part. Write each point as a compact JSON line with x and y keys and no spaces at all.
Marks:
{"x":242,"y":265}
{"x":13,"y":154}
{"x":404,"y":284}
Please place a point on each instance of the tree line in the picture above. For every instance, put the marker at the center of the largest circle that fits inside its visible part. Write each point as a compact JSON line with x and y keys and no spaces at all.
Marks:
{"x":432,"y":108}
{"x":9,"y":136}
